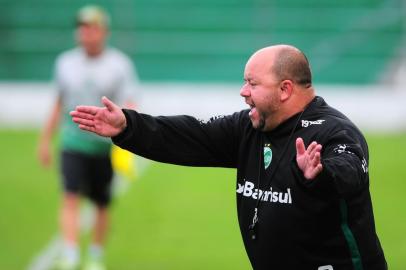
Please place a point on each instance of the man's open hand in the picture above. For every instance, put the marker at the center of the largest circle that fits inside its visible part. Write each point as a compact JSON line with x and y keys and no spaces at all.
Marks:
{"x":107,"y":121}
{"x":308,"y":160}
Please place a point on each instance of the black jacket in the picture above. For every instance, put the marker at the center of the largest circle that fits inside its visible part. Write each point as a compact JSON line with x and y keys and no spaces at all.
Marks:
{"x":326,"y":223}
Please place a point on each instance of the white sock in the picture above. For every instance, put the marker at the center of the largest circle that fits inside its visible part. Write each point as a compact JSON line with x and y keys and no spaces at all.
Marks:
{"x":71,"y":252}
{"x":95,"y":252}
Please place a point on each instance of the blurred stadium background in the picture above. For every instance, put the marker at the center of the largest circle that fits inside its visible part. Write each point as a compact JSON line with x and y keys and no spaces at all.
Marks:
{"x":190,"y":56}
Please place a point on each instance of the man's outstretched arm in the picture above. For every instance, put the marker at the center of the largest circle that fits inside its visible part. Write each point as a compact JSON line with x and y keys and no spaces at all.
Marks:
{"x":108,"y":121}
{"x":182,"y":139}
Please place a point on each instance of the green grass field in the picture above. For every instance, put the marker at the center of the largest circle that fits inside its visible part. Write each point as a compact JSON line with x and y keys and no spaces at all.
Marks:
{"x":172,"y":217}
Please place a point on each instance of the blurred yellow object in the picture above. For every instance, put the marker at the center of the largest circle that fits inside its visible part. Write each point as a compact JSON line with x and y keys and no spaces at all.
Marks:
{"x":123,"y":163}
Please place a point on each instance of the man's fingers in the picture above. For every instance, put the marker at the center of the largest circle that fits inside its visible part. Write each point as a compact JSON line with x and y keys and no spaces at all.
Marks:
{"x":311,"y":155}
{"x":83,"y":122}
{"x":300,"y":147}
{"x":77,"y":114}
{"x":316,"y":159}
{"x":109,"y":104}
{"x":314,"y":151}
{"x":310,"y":158}
{"x":87,"y":128}
{"x":87,"y":109}
{"x":311,"y":147}
{"x":318,"y":169}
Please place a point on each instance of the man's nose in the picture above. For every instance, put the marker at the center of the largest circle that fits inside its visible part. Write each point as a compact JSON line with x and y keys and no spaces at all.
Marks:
{"x":244,"y":92}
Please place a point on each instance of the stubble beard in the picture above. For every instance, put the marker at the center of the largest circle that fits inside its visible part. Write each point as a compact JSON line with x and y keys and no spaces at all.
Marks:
{"x":261,"y":123}
{"x":270,"y":112}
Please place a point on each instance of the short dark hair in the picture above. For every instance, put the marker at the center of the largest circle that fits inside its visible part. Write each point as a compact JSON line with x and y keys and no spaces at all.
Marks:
{"x":292,"y":64}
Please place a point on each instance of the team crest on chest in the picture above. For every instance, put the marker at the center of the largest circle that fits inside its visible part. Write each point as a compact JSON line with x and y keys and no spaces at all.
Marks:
{"x":267,"y":155}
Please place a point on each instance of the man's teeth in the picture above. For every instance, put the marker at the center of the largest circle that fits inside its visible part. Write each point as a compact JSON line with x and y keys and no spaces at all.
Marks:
{"x":253,"y":109}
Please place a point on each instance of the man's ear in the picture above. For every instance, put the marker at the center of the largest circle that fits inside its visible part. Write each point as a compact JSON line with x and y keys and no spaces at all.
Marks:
{"x":286,"y":88}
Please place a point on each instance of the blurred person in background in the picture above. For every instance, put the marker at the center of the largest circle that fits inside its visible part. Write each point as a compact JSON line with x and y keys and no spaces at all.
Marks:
{"x":303,"y":198}
{"x":82,"y":76}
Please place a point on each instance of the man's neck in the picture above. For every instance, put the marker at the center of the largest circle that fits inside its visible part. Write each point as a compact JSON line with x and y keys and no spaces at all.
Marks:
{"x":294,"y":105}
{"x":94,"y":52}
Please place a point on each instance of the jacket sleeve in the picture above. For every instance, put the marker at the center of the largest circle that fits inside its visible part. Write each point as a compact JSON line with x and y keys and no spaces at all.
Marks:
{"x":181,"y":140}
{"x":345,"y":165}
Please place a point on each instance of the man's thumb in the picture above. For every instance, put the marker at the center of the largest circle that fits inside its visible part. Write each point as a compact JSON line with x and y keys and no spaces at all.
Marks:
{"x":300,"y":147}
{"x":108,"y":103}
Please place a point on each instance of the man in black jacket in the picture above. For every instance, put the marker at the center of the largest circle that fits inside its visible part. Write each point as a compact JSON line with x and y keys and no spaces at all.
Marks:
{"x":299,"y":207}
